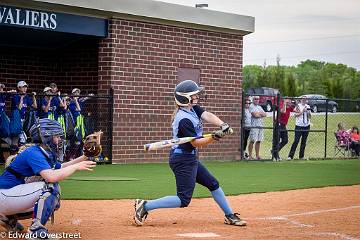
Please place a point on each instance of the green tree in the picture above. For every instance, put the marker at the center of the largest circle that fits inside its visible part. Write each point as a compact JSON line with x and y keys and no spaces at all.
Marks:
{"x":308,"y":72}
{"x":251,"y":75}
{"x":310,"y":76}
{"x":264,"y":78}
{"x":291,"y":90}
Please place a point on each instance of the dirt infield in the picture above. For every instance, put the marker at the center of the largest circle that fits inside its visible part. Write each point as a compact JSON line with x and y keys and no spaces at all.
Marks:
{"x":323,"y":213}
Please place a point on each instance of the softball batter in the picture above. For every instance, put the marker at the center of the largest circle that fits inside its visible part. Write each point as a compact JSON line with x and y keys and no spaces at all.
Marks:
{"x":183,"y":159}
{"x":21,"y":198}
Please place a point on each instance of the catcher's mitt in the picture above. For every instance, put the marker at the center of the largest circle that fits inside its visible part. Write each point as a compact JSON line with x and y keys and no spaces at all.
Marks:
{"x":92,"y":146}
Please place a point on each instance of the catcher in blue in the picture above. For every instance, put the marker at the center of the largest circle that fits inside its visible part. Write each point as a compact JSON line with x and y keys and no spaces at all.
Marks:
{"x":29,"y":185}
{"x":183,"y":159}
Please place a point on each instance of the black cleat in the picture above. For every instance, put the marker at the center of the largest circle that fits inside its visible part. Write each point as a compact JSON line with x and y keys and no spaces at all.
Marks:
{"x":140,"y":212}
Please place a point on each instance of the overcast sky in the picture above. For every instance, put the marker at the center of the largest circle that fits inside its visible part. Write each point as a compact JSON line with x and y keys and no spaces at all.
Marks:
{"x":296,"y":30}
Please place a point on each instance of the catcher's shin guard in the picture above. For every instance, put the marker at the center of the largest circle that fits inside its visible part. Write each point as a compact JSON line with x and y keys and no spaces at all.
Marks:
{"x":48,"y":202}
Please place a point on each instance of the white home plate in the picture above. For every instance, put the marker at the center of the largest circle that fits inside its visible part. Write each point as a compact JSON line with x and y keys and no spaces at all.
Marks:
{"x":198,"y":235}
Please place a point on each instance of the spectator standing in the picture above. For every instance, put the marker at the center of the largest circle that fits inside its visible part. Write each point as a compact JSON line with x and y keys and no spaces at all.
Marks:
{"x":256,"y":132}
{"x":247,"y":126}
{"x":302,"y":128}
{"x":286,"y":108}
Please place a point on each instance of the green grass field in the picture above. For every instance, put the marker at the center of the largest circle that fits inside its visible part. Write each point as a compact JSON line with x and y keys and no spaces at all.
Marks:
{"x":315,"y":148}
{"x":156,"y":180}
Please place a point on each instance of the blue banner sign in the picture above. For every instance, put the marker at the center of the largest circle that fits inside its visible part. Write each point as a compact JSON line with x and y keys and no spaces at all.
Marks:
{"x":52,"y":21}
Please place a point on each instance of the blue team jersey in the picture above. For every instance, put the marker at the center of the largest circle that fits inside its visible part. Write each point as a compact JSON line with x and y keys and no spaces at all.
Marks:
{"x":41,"y":113}
{"x":55,"y":106}
{"x":72,"y":108}
{"x":28,"y":163}
{"x":27,"y":102}
{"x":3,"y":98}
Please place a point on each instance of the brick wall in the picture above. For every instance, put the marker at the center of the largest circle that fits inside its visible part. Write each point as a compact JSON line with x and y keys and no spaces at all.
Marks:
{"x":141,"y":61}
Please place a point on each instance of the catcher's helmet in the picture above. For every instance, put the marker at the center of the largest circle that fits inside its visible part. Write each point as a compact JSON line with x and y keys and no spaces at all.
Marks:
{"x":48,"y":128}
{"x":184,"y":90}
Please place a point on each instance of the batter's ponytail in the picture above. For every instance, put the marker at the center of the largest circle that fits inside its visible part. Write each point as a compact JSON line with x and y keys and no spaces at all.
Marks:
{"x":177,"y":107}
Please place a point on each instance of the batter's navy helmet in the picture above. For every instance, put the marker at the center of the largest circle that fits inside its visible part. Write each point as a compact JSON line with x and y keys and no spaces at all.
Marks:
{"x":184,"y":90}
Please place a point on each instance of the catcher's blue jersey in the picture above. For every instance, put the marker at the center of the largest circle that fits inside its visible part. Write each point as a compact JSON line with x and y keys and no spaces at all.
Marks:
{"x":28,"y":163}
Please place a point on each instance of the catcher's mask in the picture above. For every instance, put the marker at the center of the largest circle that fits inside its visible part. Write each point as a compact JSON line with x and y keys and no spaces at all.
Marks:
{"x":45,"y":131}
{"x":184,"y":90}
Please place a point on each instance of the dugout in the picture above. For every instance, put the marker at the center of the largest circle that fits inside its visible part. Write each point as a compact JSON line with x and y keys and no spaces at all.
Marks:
{"x":140,"y":49}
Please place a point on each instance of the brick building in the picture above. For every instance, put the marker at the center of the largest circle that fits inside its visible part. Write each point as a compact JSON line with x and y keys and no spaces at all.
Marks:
{"x":141,"y":49}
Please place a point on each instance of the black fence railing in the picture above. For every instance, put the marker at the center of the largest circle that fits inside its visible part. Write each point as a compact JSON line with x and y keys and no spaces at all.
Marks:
{"x":91,"y":113}
{"x":281,"y":140}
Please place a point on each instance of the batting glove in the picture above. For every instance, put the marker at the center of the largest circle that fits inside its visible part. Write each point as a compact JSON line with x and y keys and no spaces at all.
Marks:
{"x":225,"y":128}
{"x":217,"y":135}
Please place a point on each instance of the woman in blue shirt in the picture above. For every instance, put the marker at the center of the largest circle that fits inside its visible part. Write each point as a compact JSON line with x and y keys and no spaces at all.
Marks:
{"x":37,"y":198}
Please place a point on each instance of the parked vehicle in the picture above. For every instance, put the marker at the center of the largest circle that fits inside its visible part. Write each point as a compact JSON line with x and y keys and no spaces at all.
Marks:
{"x":318,"y":103}
{"x":267,"y":96}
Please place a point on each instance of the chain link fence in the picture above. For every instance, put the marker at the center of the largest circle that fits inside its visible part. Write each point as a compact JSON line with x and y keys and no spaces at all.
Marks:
{"x":322,"y":141}
{"x":91,"y":113}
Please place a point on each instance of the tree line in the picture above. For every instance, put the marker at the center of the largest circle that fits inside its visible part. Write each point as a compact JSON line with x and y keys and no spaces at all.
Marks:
{"x":310,"y":76}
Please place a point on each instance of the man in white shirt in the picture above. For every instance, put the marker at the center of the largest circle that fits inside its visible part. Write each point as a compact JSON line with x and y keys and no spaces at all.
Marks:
{"x":256,"y":132}
{"x":302,"y":127}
